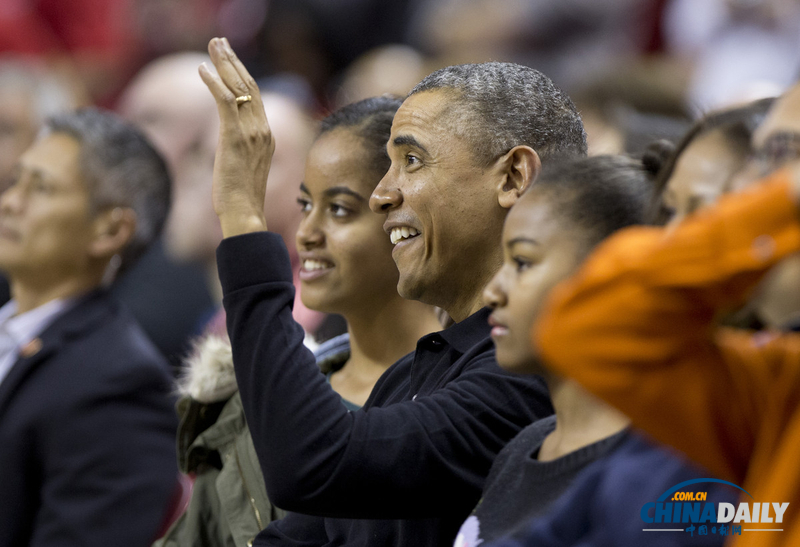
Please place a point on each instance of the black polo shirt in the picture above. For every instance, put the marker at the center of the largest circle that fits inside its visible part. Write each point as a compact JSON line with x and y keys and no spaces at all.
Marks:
{"x":408,"y":468}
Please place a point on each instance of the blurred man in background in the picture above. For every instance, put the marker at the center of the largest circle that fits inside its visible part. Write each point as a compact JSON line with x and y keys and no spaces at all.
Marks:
{"x":86,"y":420}
{"x":170,"y":298}
{"x":184,"y":127}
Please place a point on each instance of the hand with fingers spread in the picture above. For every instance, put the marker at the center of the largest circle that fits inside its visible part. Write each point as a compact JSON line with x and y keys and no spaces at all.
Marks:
{"x":246,"y":144}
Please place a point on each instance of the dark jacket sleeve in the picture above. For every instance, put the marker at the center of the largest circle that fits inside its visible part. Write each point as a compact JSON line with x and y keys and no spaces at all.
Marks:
{"x":317,"y":457}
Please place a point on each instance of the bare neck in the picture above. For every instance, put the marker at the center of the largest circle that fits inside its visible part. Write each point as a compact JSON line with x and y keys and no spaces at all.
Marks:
{"x":378,"y":338}
{"x":383,"y":337}
{"x":469,"y":296}
{"x":30,"y":294}
{"x":463,"y":309}
{"x":581,"y":420}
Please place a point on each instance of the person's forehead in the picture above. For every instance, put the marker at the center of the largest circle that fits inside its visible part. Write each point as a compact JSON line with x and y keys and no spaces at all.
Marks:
{"x":15,"y":104}
{"x":784,"y":116}
{"x":425,"y":111}
{"x":56,"y":155}
{"x":338,"y":158}
{"x":336,"y":149}
{"x":291,"y":125}
{"x":532,"y":218}
{"x":704,"y":163}
{"x":153,"y":96}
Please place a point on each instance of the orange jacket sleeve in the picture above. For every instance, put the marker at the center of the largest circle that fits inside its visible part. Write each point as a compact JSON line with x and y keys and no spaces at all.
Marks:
{"x":636,"y":326}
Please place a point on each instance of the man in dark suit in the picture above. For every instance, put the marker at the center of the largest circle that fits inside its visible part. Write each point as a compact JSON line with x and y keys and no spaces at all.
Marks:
{"x":86,"y":421}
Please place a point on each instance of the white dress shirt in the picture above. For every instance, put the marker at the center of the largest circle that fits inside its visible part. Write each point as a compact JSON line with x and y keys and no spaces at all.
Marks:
{"x":18,"y":330}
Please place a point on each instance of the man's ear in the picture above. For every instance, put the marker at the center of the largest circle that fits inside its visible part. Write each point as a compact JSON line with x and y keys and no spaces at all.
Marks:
{"x":113,"y":230}
{"x":519,"y":168}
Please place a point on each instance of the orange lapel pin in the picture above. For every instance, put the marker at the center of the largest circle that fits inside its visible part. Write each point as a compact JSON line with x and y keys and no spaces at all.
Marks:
{"x":31,"y":348}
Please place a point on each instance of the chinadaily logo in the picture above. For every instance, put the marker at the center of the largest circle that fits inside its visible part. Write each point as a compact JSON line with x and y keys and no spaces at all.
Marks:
{"x":685,"y":508}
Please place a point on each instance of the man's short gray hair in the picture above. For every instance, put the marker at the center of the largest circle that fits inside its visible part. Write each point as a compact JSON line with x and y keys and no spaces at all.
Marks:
{"x":503,"y":105}
{"x":121,"y":169}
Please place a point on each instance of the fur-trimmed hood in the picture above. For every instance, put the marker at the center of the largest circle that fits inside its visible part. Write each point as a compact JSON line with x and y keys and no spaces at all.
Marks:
{"x":208,"y":375}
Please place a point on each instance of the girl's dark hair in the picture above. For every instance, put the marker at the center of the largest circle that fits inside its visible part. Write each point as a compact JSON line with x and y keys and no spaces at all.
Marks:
{"x":599,"y":195}
{"x":737,"y":126}
{"x":371,"y":120}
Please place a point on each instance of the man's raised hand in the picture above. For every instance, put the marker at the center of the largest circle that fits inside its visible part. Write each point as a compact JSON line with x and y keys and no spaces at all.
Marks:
{"x":246,"y":144}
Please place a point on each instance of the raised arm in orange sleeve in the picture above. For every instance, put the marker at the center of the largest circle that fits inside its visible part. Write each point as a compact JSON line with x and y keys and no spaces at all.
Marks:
{"x":637,"y":327}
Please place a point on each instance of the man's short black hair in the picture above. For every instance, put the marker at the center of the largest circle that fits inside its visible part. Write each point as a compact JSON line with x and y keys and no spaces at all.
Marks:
{"x":503,"y":105}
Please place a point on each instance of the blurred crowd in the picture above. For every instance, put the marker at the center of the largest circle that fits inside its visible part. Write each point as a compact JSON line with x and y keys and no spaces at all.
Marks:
{"x":684,"y":88}
{"x":638,"y":70}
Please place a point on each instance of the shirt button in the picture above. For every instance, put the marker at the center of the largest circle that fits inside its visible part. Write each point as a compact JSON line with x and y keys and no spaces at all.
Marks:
{"x":763,"y":248}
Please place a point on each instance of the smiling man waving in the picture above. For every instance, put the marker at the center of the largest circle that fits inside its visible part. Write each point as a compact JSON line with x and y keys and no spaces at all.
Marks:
{"x":408,"y":468}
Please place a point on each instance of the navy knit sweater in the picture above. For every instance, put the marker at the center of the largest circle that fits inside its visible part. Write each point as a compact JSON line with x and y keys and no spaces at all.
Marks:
{"x":407,"y":468}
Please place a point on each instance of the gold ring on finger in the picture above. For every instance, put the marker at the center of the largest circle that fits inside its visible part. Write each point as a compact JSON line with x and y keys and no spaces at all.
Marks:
{"x":240,"y":100}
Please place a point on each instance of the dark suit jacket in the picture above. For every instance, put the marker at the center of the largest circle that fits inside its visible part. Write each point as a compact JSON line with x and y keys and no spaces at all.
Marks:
{"x":87,"y":429}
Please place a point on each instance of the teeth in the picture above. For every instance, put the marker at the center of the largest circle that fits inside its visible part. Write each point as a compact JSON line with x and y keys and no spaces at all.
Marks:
{"x":399,"y":234}
{"x":311,"y":265}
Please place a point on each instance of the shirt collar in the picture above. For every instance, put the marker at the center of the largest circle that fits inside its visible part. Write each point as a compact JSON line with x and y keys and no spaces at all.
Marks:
{"x":26,"y":326}
{"x":468,"y":332}
{"x":7,"y":311}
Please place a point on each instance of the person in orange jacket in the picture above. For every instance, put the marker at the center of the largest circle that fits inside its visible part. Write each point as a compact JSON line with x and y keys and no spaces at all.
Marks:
{"x":644,"y":309}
